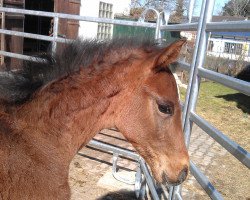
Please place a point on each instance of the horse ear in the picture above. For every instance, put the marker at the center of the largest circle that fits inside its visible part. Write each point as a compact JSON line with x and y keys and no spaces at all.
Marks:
{"x":169,"y":54}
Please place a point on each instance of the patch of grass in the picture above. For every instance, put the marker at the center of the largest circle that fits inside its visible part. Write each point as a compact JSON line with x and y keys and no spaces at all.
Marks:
{"x":226,"y":109}
{"x":182,"y":94}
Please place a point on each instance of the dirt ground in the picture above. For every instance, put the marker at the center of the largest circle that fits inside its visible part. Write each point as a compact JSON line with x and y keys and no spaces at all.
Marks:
{"x":90,"y":172}
{"x":91,"y":177}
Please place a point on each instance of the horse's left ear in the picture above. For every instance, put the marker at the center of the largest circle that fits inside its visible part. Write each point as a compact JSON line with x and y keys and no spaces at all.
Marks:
{"x":170,"y":54}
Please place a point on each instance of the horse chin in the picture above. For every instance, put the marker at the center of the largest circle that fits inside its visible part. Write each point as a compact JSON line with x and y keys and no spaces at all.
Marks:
{"x":168,"y":182}
{"x":162,"y":177}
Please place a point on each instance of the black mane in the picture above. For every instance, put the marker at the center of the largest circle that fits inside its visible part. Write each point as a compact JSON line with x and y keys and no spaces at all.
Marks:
{"x":17,"y":87}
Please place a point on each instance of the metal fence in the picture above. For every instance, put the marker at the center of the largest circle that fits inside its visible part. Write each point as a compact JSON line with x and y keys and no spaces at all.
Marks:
{"x":196,"y":71}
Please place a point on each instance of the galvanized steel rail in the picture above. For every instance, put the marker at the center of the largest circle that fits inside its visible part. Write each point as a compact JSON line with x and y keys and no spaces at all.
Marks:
{"x":77,"y":17}
{"x":196,"y":72}
{"x":135,"y":156}
{"x":235,"y":149}
{"x":193,"y":86}
{"x":234,"y":83}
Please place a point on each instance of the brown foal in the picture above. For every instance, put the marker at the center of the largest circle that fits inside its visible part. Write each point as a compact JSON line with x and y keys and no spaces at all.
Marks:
{"x":50,"y":109}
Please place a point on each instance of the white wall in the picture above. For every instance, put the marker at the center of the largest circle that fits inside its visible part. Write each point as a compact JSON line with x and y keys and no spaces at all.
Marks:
{"x":91,"y":8}
{"x":219,"y":45}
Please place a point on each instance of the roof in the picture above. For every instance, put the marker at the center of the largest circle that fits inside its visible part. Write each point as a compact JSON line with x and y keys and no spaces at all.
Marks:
{"x":222,"y":18}
{"x":227,"y":18}
{"x":241,"y":35}
{"x":231,"y":35}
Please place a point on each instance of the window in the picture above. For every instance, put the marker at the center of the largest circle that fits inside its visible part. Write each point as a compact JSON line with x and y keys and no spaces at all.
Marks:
{"x":233,"y":48}
{"x":239,"y":48}
{"x":210,"y":46}
{"x":104,"y":30}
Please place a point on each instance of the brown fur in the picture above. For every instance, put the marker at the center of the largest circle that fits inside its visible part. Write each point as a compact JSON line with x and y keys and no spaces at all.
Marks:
{"x":39,"y":138}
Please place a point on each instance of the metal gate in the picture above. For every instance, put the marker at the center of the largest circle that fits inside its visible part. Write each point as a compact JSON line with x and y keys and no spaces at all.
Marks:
{"x":196,"y":71}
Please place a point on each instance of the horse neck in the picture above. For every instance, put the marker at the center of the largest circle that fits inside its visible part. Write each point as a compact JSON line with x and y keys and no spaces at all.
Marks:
{"x":69,"y":112}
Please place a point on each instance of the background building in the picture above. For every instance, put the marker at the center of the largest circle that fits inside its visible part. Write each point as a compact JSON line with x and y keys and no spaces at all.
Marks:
{"x":230,"y":45}
{"x":103,"y":9}
{"x":44,"y":25}
{"x":36,"y":25}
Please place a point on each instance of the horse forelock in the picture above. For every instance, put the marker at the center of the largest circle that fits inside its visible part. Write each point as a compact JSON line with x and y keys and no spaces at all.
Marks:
{"x":18,"y":87}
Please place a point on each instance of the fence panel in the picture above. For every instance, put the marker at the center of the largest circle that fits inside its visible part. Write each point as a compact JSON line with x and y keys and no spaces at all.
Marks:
{"x":196,"y":70}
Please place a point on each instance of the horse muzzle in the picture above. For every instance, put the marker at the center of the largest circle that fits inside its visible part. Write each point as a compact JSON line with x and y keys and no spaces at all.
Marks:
{"x":180,"y":178}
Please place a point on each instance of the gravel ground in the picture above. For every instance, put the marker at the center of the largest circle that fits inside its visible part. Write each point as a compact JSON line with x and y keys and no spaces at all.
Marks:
{"x":91,"y":178}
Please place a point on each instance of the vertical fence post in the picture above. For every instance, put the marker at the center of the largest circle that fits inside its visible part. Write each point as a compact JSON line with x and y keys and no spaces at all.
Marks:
{"x":190,"y":10}
{"x":55,"y":33}
{"x":158,"y":24}
{"x":197,"y":62}
{"x":2,"y":35}
{"x":149,"y":179}
{"x":194,"y":80}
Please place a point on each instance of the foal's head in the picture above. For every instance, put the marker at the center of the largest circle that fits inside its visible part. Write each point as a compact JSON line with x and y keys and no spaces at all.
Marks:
{"x":126,"y":84}
{"x":150,"y":115}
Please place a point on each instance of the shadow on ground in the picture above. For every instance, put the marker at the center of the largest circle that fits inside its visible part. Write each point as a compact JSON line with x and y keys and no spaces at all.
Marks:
{"x":243,"y":101}
{"x":119,"y":195}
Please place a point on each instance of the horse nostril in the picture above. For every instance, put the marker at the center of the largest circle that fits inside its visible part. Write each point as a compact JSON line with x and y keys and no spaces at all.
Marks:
{"x":182,"y":175}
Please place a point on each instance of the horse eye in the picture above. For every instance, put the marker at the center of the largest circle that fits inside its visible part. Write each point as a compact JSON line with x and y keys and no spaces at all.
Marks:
{"x":166,"y":109}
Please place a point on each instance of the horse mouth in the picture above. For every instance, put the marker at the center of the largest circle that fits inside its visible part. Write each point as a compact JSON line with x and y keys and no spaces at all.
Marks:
{"x":181,"y":178}
{"x":167,"y":181}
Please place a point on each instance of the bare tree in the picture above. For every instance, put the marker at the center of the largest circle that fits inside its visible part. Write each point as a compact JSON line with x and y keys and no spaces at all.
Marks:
{"x":179,"y":11}
{"x":237,"y":8}
{"x":176,"y":7}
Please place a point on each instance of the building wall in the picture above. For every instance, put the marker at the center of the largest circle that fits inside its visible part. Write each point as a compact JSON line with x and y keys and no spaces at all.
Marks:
{"x":218,"y":49}
{"x":91,"y":8}
{"x":189,"y":35}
